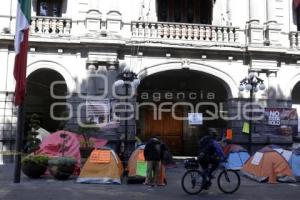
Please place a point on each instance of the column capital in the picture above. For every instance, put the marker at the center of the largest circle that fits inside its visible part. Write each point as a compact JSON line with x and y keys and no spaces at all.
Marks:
{"x":112,"y":65}
{"x":91,"y":65}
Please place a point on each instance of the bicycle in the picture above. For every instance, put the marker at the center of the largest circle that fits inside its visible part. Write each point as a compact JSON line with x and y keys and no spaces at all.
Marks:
{"x":194,"y":181}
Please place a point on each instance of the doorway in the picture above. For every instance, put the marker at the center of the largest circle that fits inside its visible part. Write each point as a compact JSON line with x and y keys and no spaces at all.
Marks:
{"x":39,"y":99}
{"x":168,"y":93}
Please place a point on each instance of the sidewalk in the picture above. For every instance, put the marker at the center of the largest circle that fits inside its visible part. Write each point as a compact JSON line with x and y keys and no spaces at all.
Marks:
{"x":48,"y":189}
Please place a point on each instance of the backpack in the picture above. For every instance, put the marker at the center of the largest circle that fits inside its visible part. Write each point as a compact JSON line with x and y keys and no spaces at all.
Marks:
{"x":206,"y":147}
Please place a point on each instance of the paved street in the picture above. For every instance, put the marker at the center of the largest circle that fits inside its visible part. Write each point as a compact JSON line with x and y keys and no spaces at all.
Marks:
{"x":48,"y":189}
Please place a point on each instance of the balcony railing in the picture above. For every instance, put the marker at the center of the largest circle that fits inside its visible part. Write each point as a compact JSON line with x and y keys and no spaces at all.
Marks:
{"x":180,"y":31}
{"x":50,"y":25}
{"x":294,"y":39}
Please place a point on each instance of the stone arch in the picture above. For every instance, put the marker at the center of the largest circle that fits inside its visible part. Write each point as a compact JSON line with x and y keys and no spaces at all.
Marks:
{"x":56,"y":67}
{"x":291,"y":85}
{"x":228,"y":81}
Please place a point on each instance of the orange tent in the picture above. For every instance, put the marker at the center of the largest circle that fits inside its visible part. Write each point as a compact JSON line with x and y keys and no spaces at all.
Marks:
{"x":267,"y":166}
{"x":103,"y":166}
{"x":137,"y":167}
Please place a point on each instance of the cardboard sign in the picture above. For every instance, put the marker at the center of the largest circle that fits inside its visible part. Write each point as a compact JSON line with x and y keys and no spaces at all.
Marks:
{"x":195,"y":118}
{"x":141,"y":168}
{"x":274,"y":116}
{"x":229,"y":134}
{"x":246,"y":128}
{"x":257,"y":158}
{"x":100,"y":156}
{"x":141,"y":156}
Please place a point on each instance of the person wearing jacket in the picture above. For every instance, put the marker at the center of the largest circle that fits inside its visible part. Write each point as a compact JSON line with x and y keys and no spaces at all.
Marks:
{"x":152,"y":154}
{"x":210,"y":154}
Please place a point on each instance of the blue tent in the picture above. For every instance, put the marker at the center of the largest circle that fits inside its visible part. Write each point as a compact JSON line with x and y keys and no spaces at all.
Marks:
{"x":236,"y":156}
{"x":295,"y":163}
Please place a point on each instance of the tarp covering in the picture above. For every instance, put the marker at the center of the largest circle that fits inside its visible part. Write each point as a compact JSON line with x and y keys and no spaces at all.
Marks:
{"x":269,"y":165}
{"x":103,"y":166}
{"x":96,"y":142}
{"x":52,"y":145}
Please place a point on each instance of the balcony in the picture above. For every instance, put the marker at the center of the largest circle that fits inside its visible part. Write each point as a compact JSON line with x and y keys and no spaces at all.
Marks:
{"x":50,"y":25}
{"x":185,"y":32}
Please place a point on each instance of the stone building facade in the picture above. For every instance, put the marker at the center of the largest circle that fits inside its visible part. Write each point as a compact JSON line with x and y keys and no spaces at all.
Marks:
{"x":188,"y":51}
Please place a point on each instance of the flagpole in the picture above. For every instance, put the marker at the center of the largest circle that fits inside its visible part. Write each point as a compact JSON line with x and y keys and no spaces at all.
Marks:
{"x":21,"y":49}
{"x":19,"y":143}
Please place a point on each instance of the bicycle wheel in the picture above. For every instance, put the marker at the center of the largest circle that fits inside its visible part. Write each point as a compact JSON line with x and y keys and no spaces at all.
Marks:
{"x":192,"y":182}
{"x":229,"y":181}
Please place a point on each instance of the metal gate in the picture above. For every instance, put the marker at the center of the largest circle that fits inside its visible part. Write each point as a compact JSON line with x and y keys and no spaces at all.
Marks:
{"x":8,"y":127}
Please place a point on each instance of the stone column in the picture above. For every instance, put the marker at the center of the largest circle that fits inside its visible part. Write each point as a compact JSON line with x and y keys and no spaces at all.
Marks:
{"x":229,"y":10}
{"x":112,"y":74}
{"x":91,"y":87}
{"x":152,"y":16}
{"x":272,"y":28}
{"x":255,"y":32}
{"x":257,"y":10}
{"x":101,"y":80}
{"x":272,"y":88}
{"x":234,"y":8}
{"x":141,"y":7}
{"x":271,"y":10}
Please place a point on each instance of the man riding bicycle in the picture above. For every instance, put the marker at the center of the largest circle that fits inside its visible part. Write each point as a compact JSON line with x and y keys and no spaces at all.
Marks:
{"x":210,"y":154}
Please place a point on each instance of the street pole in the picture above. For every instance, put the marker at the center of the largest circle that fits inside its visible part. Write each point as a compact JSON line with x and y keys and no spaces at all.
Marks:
{"x":127,"y":78}
{"x":126,"y":126}
{"x":251,"y":83}
{"x":250,"y":124}
{"x":19,"y":143}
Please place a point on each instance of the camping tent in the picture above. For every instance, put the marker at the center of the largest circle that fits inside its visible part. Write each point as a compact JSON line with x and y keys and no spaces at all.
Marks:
{"x":96,"y":142}
{"x":137,"y":167}
{"x":103,"y":166}
{"x":236,"y":156}
{"x":284,"y":152}
{"x":52,"y":145}
{"x":268,"y":166}
{"x":295,"y":163}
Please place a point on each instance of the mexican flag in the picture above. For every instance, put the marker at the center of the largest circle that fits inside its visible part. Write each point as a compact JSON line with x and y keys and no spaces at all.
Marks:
{"x":21,"y":48}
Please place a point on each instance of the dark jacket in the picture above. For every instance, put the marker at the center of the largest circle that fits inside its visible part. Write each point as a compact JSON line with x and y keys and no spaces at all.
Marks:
{"x":209,"y":149}
{"x":152,"y":151}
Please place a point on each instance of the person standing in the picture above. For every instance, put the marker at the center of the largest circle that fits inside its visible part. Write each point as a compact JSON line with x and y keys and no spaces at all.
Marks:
{"x":152,"y":154}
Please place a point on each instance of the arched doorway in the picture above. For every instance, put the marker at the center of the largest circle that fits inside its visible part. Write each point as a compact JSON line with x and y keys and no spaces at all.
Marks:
{"x":39,"y":99}
{"x":296,"y":101}
{"x":296,"y":94}
{"x":167,"y":95}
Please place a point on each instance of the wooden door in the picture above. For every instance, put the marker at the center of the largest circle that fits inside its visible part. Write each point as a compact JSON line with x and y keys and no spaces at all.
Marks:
{"x":167,"y":129}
